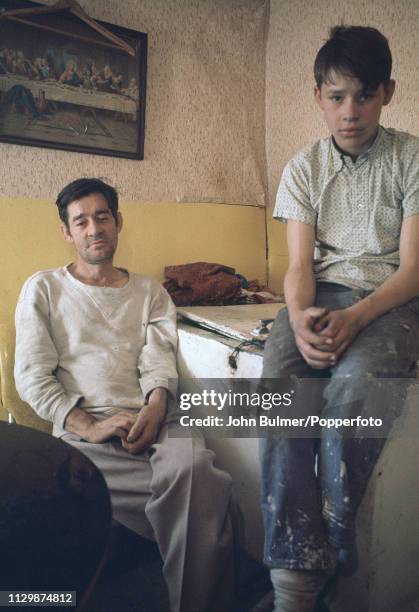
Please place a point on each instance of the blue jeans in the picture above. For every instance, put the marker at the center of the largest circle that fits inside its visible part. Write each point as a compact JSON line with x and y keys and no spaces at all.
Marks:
{"x":312,"y":487}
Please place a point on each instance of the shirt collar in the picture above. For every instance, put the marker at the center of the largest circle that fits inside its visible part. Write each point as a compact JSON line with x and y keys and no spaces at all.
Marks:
{"x":374,"y":150}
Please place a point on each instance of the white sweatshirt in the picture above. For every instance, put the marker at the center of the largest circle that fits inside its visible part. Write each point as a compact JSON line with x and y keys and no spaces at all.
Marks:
{"x":101,"y":348}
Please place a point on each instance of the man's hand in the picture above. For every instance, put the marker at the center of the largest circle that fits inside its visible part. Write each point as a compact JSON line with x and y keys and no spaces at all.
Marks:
{"x":313,"y":346}
{"x":341,"y":327}
{"x":89,"y":428}
{"x":146,"y":428}
{"x":117,"y":425}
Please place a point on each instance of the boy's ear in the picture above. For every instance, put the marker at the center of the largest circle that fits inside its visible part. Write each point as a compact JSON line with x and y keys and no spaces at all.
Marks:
{"x":389,"y":91}
{"x":318,"y":96}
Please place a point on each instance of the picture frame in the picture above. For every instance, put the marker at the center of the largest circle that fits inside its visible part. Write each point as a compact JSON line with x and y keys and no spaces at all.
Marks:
{"x":70,"y":82}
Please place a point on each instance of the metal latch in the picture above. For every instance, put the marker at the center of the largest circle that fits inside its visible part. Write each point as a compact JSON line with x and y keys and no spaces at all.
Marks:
{"x":262,"y":331}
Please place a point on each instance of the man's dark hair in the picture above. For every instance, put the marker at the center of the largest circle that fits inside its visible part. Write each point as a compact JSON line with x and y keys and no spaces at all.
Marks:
{"x":355,"y":51}
{"x":83,"y":187}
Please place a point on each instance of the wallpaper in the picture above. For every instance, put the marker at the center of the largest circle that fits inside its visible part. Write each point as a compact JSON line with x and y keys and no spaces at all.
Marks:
{"x":205,"y":109}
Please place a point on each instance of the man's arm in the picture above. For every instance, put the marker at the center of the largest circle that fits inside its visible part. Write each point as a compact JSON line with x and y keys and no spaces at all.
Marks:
{"x":36,"y":360}
{"x":300,"y":294}
{"x":157,"y":370}
{"x":144,"y":431}
{"x":157,"y":360}
{"x":343,"y":325}
{"x":36,"y":357}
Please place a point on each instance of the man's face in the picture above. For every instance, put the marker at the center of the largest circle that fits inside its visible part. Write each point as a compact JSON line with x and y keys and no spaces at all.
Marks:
{"x":351,"y":112}
{"x":92,"y":229}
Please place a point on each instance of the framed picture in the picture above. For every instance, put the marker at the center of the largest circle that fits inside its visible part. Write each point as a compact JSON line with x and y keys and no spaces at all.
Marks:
{"x":69,"y":82}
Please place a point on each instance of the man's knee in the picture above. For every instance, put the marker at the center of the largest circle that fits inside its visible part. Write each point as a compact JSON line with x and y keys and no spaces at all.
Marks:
{"x":189,"y":466}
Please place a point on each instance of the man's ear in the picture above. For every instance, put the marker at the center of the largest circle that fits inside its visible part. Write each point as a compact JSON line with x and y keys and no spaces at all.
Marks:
{"x":66,"y":232}
{"x":119,"y":221}
{"x":389,"y":91}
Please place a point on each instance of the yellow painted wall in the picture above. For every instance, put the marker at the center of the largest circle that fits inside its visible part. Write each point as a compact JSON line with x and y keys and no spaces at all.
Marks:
{"x":154,"y":235}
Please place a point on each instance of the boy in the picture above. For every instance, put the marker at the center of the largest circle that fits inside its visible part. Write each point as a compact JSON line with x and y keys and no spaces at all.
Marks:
{"x":352,"y":314}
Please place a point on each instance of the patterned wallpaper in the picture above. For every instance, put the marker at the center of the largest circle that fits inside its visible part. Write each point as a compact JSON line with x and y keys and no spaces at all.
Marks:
{"x":206,"y":120}
{"x":205,"y":131}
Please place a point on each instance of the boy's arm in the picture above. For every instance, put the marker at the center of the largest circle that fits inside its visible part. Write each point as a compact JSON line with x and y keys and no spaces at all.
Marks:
{"x":402,"y":286}
{"x":300,"y":294}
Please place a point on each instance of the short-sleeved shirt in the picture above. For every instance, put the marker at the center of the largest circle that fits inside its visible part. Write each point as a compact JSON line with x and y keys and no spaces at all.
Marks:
{"x":357,"y":207}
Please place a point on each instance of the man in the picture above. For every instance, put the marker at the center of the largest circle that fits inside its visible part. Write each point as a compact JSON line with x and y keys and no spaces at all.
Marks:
{"x":95,"y":354}
{"x":352,"y":206}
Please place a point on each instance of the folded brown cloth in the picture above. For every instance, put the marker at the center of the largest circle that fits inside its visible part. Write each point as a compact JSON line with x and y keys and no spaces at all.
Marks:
{"x":202,"y":284}
{"x":255,"y":293}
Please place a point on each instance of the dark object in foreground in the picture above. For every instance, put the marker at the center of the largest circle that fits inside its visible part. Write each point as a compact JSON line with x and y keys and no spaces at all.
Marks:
{"x":55,"y":514}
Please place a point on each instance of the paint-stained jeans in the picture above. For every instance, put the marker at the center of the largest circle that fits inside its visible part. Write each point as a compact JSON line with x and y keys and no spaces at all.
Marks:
{"x":312,"y":487}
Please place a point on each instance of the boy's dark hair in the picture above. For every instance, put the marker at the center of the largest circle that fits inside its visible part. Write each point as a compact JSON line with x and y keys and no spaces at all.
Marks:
{"x":356,"y":51}
{"x":83,"y":187}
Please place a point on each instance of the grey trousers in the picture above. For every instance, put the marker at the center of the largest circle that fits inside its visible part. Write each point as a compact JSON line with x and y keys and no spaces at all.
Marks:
{"x":312,"y":487}
{"x":174,"y":494}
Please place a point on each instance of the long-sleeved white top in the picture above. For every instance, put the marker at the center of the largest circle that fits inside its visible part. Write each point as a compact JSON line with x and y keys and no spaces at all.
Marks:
{"x":101,"y":348}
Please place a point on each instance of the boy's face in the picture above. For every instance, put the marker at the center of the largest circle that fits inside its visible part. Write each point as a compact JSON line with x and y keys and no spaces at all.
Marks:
{"x":351,"y":112}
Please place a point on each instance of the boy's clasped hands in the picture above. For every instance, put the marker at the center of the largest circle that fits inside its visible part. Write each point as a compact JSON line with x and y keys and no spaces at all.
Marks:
{"x":323,"y":335}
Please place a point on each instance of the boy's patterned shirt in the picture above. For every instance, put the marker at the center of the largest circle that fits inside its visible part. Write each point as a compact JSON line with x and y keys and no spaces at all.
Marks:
{"x":357,"y":208}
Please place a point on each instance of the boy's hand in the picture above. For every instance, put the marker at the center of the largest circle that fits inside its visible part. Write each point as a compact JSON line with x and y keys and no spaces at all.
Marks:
{"x":146,"y":428}
{"x":341,"y":327}
{"x":313,"y":346}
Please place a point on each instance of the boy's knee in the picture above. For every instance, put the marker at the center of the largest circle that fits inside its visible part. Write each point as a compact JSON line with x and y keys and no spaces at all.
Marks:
{"x":365,"y":365}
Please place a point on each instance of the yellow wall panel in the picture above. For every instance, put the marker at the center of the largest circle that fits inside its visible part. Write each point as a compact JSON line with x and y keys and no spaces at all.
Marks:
{"x":278,"y":254}
{"x":154,"y":235}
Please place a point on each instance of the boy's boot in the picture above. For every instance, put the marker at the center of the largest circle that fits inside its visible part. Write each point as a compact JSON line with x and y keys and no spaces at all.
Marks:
{"x":297,"y":590}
